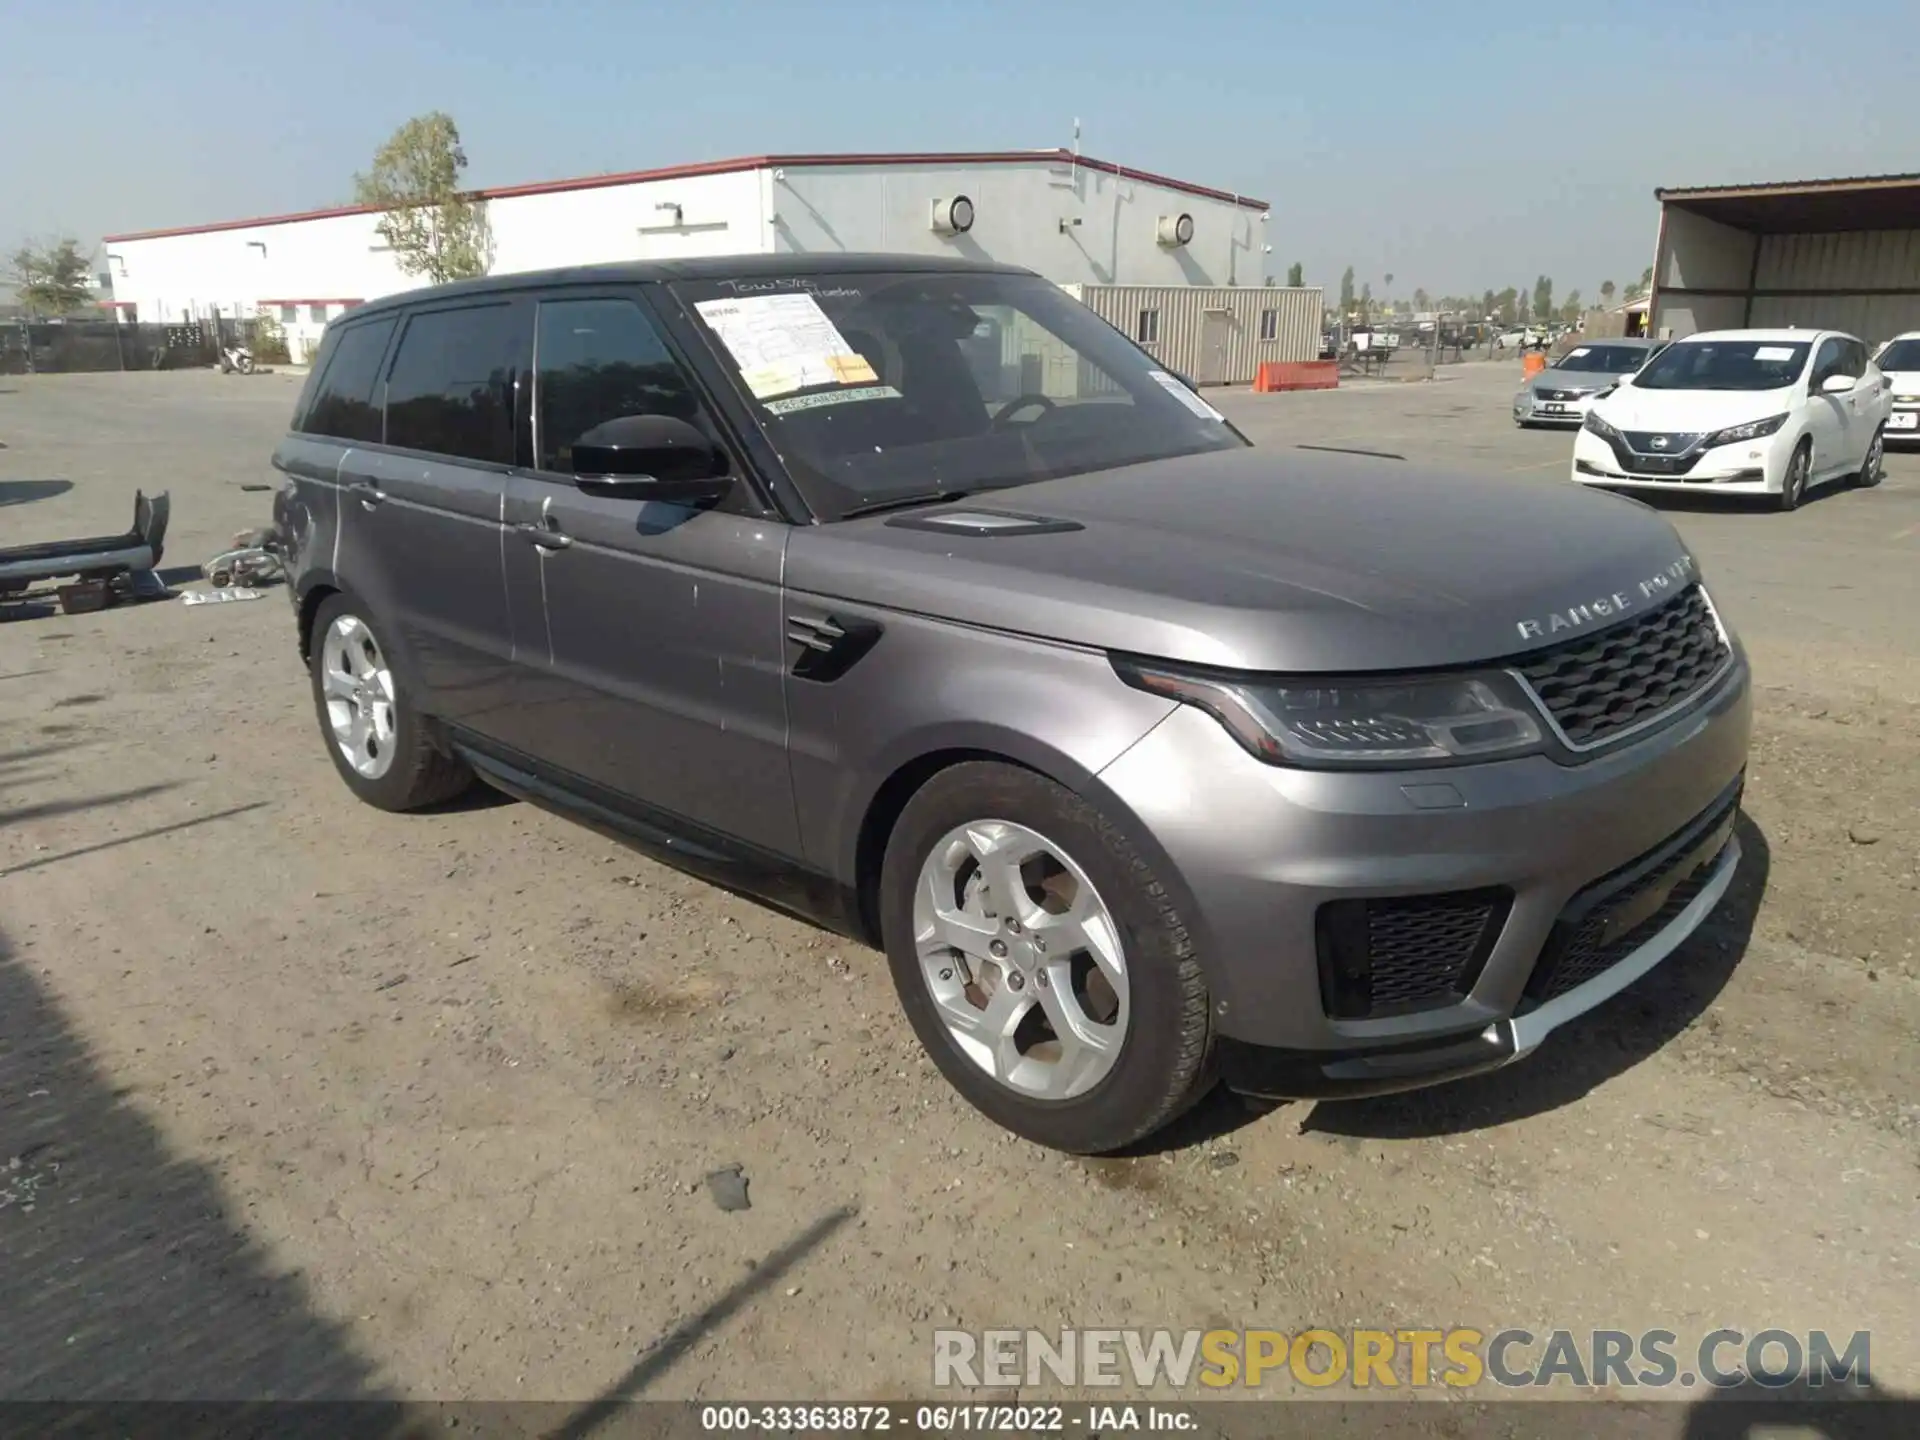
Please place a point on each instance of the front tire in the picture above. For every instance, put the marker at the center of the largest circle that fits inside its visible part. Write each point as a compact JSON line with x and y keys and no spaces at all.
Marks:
{"x":1793,"y":488}
{"x":377,"y":739}
{"x":1041,"y":962}
{"x":1874,"y":466}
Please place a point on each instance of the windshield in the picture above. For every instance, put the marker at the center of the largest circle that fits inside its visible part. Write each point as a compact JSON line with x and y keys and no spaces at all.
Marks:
{"x":1602,"y":359}
{"x":879,"y":389}
{"x":1900,"y":355}
{"x":1724,"y":365}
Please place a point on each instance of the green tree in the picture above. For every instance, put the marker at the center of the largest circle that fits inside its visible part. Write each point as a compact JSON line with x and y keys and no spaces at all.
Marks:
{"x":1366,"y":300}
{"x":1507,"y":302}
{"x":1346,"y":291}
{"x":435,"y":228}
{"x":1570,"y":307}
{"x":1420,"y":298}
{"x":1486,"y":304}
{"x":1296,"y":274}
{"x":1521,"y":311}
{"x":51,"y":278}
{"x":1643,"y":285}
{"x":1543,"y":297}
{"x":1607,"y":288}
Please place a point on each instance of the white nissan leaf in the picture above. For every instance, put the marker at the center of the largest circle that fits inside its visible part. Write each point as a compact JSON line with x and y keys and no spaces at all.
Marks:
{"x":1899,"y":361}
{"x":1741,"y":412}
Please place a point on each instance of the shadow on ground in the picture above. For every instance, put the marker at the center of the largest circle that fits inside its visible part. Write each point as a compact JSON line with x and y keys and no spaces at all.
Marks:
{"x":123,"y":1274}
{"x":25,"y":492}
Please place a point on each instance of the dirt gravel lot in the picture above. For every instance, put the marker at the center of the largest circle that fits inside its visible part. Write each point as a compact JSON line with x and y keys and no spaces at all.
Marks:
{"x":298,"y":1098}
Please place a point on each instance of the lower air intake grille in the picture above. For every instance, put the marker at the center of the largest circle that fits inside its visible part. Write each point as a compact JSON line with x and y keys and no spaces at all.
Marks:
{"x":1616,"y":915}
{"x":1398,"y":954}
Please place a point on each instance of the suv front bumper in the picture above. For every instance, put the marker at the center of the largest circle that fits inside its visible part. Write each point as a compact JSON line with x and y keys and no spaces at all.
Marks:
{"x":1261,"y":849}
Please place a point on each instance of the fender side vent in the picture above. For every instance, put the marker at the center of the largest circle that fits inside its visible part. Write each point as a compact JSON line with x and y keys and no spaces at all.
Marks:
{"x":829,"y":646}
{"x":985,"y":523}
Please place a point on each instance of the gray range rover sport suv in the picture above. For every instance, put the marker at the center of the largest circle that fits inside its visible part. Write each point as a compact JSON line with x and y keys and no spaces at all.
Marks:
{"x":913,"y":598}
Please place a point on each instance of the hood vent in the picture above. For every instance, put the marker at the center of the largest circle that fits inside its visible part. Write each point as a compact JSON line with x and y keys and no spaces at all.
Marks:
{"x":984,"y":524}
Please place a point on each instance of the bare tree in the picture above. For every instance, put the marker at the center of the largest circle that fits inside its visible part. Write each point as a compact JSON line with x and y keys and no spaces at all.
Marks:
{"x":436,"y":229}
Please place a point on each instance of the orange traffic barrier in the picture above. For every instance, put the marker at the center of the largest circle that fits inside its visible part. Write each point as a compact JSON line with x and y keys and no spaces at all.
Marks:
{"x":1296,"y":375}
{"x":1534,"y":362}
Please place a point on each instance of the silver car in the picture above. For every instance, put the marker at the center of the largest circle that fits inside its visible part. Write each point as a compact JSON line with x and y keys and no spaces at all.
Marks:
{"x":1562,"y":393}
{"x":912,"y":597}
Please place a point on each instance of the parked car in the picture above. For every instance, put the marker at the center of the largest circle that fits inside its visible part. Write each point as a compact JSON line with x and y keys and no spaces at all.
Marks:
{"x":1521,"y":339}
{"x":1561,"y":393}
{"x":1145,"y":755}
{"x":1899,"y":361}
{"x":1741,"y":412}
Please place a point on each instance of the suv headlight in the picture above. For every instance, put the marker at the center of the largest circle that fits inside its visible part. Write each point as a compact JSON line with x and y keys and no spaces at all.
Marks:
{"x":1331,"y":724}
{"x":1599,"y":425}
{"x":1753,"y":430}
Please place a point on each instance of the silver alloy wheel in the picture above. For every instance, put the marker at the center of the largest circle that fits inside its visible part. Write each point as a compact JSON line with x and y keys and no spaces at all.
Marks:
{"x":1023,"y":959}
{"x":1798,"y":468}
{"x":358,"y":685}
{"x":1876,"y":457}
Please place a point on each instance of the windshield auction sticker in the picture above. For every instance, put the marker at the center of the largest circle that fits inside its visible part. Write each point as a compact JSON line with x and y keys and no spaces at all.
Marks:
{"x":784,"y":343}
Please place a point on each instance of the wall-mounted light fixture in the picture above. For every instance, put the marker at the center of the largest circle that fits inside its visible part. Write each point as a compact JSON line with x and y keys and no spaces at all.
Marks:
{"x":1066,"y":225}
{"x":952,"y":217}
{"x":678,"y":213}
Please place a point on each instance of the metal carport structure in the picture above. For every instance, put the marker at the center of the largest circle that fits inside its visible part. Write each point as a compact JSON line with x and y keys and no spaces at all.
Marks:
{"x":1839,"y":254}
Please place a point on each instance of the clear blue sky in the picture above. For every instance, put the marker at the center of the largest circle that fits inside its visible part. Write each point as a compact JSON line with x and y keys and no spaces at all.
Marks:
{"x":1456,"y":145}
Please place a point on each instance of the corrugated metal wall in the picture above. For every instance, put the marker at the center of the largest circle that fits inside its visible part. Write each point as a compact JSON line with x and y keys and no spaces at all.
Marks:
{"x":1184,"y":336}
{"x":1842,"y":265}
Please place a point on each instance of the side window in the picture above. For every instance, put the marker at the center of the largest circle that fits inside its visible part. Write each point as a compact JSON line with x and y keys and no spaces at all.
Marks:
{"x":342,"y":403}
{"x":450,"y":390}
{"x":1856,"y":359}
{"x":1826,"y":361}
{"x":597,"y":360}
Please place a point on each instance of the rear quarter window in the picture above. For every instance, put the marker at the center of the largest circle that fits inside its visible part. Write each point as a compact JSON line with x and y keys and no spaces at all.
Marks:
{"x":340,"y":400}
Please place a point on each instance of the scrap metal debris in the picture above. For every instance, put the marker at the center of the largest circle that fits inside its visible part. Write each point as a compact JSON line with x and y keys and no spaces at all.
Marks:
{"x":217,"y":597}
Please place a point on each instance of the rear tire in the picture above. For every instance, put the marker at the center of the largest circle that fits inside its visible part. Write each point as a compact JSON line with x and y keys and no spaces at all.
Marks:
{"x":1157,"y":1020}
{"x":1874,"y":466}
{"x":377,"y":739}
{"x":1793,"y":489}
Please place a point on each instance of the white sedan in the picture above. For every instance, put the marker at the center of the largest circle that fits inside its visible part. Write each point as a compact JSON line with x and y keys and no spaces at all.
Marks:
{"x":1899,"y":361}
{"x":1741,"y":412}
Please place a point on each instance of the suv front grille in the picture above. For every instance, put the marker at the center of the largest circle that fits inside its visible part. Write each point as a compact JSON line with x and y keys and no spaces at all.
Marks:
{"x":1617,"y":914}
{"x":1600,"y":685}
{"x":1392,"y":955}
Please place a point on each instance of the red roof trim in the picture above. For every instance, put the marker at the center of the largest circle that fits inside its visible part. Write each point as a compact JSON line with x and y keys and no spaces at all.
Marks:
{"x":733,"y":167}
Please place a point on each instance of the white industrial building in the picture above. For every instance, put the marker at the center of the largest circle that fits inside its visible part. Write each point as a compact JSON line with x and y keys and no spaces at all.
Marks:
{"x":1078,"y":221}
{"x":1832,"y":254}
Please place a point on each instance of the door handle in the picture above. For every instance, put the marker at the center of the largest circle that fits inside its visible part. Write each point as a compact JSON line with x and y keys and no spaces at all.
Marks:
{"x":368,"y":494}
{"x":547,"y":537}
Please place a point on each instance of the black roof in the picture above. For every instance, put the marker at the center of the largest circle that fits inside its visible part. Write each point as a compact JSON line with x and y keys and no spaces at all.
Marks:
{"x":710,"y":267}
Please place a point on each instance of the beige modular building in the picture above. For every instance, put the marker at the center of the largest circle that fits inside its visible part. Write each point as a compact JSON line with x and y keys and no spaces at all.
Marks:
{"x":1213,"y":334}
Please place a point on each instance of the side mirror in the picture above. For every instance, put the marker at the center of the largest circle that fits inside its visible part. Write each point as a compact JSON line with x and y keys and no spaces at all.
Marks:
{"x":649,"y":457}
{"x":1834,"y":384}
{"x":1185,"y":379}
